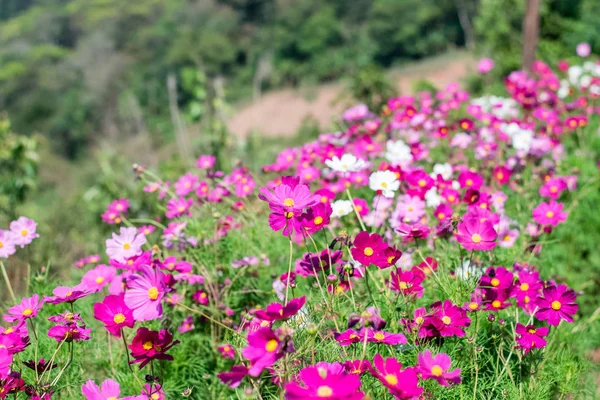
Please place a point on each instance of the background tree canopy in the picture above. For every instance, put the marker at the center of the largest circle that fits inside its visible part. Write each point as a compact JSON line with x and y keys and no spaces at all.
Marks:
{"x":78,"y":70}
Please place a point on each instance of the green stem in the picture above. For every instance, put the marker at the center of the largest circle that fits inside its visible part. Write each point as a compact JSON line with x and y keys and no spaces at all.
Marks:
{"x":7,"y":280}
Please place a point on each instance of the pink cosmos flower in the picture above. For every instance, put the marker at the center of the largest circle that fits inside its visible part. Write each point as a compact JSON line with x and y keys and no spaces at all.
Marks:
{"x":277,"y":311}
{"x":408,"y":283}
{"x":470,"y":180}
{"x":114,"y":314}
{"x":475,"y":234}
{"x":205,"y":161}
{"x":485,"y":65}
{"x":264,"y":348}
{"x":186,"y":325}
{"x":324,"y":380}
{"x":348,"y":337}
{"x":437,"y":368}
{"x":529,"y":337}
{"x":65,"y":294}
{"x":382,"y":337}
{"x":186,"y":184}
{"x":125,"y":245}
{"x":414,"y":231}
{"x":6,"y":360}
{"x":227,"y":351}
{"x":69,"y":333}
{"x":558,"y":303}
{"x":549,"y":213}
{"x":369,"y":249}
{"x":553,"y":188}
{"x":172,"y":264}
{"x":403,"y":384}
{"x":452,"y":317}
{"x":24,"y":231}
{"x":109,"y":390}
{"x":583,"y":49}
{"x":146,"y":230}
{"x":7,"y":244}
{"x":357,"y":367}
{"x":95,"y":279}
{"x":233,"y":378}
{"x":66,"y":318}
{"x":178,"y":206}
{"x":28,"y":308}
{"x":150,"y":345}
{"x":152,"y":392}
{"x":144,"y":294}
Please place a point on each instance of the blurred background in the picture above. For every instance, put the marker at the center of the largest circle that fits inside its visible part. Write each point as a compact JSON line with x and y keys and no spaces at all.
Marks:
{"x":88,"y":87}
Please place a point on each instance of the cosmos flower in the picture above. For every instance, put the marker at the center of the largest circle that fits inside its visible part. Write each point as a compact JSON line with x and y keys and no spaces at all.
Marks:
{"x":109,"y":390}
{"x":69,"y":333}
{"x":403,"y":384}
{"x":24,"y":231}
{"x":28,"y":308}
{"x":7,"y":244}
{"x":227,"y":351}
{"x":125,"y":245}
{"x":347,"y":163}
{"x":369,"y":249}
{"x":150,"y":345}
{"x":437,"y":367}
{"x":114,"y":314}
{"x":549,"y":213}
{"x":277,"y":311}
{"x":95,"y":279}
{"x":556,"y":304}
{"x":205,"y":161}
{"x":385,"y":182}
{"x":264,"y":348}
{"x":324,"y":380}
{"x":144,"y":293}
{"x":474,"y":234}
{"x":529,"y":337}
{"x":233,"y":378}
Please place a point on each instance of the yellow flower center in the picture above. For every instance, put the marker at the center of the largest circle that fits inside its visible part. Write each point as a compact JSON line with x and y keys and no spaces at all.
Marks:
{"x":27,"y":311}
{"x":126,"y":246}
{"x":353,"y":336}
{"x":391,"y":379}
{"x":24,"y":232}
{"x":532,"y":331}
{"x":422,"y":182}
{"x":368,"y":251}
{"x":495,"y":282}
{"x":155,"y":396}
{"x":419,"y":320}
{"x":390,"y":259}
{"x":226,"y":349}
{"x":469,"y":182}
{"x":441,"y":215}
{"x":289,"y":215}
{"x":383,"y":185}
{"x":436,"y":370}
{"x":476,"y":238}
{"x":153,"y":293}
{"x":68,"y":294}
{"x":403,"y":285}
{"x":112,"y":398}
{"x":1,"y":245}
{"x":289,"y":202}
{"x":524,"y":287}
{"x":549,"y":214}
{"x":446,"y":320}
{"x":324,"y":391}
{"x":500,"y":175}
{"x":556,"y":305}
{"x":496,"y":303}
{"x":318,"y":220}
{"x":99,"y":280}
{"x":181,"y":209}
{"x":553,"y":189}
{"x":379,"y":336}
{"x":526,"y":299}
{"x":148,"y":345}
{"x":119,"y":318}
{"x":271,"y":345}
{"x":473,"y":306}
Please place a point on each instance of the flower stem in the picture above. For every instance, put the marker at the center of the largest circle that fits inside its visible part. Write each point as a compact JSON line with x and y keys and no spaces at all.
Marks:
{"x":8,"y":285}
{"x":360,"y":221}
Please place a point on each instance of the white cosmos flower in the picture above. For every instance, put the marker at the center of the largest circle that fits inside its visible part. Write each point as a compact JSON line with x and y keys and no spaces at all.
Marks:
{"x":522,"y":140}
{"x":347,"y":163}
{"x":386,"y":181}
{"x":398,"y":152}
{"x":432,"y":198}
{"x":445,"y":170}
{"x":341,"y":208}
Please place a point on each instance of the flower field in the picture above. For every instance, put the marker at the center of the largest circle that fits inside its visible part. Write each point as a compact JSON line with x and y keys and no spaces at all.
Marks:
{"x":442,"y":247}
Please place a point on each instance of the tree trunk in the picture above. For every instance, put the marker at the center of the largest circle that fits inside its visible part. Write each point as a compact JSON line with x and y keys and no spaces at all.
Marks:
{"x":465,"y":23}
{"x":531,"y":28}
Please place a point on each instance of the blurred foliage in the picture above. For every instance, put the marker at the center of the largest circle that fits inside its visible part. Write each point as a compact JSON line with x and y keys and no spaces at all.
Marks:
{"x":371,"y":86}
{"x":18,"y":168}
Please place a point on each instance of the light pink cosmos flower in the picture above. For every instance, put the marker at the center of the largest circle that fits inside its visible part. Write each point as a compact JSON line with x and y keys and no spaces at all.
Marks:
{"x":485,"y":65}
{"x":7,"y":244}
{"x":145,"y":292}
{"x":583,"y":49}
{"x":437,"y":368}
{"x":109,"y":390}
{"x":186,"y":184}
{"x":28,"y":308}
{"x":205,"y":161}
{"x":178,"y":206}
{"x":65,"y":294}
{"x":24,"y":231}
{"x":125,"y":245}
{"x":95,"y":279}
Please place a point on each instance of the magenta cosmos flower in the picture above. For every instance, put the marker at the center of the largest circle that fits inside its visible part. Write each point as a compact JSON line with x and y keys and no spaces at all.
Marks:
{"x":233,"y":378}
{"x":95,"y":279}
{"x":69,"y":333}
{"x":408,"y":283}
{"x":150,"y":345}
{"x":125,"y":245}
{"x":277,"y":311}
{"x":403,"y":384}
{"x":549,"y":213}
{"x":324,"y":380}
{"x":144,"y":293}
{"x":370,"y":249}
{"x":557,"y":303}
{"x":205,"y":161}
{"x":28,"y":308}
{"x":114,"y":314}
{"x":178,"y":207}
{"x":437,"y":368}
{"x":383,"y":337}
{"x":109,"y":390}
{"x":7,"y":244}
{"x":529,"y":337}
{"x":475,"y":234}
{"x":65,"y":294}
{"x":227,"y":351}
{"x":264,"y":348}
{"x":24,"y":231}
{"x":453,"y":318}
